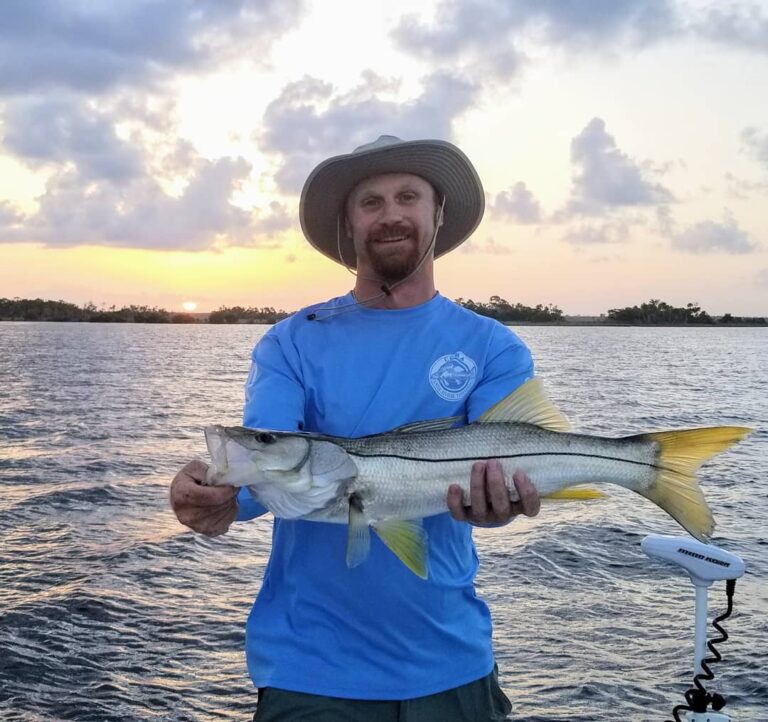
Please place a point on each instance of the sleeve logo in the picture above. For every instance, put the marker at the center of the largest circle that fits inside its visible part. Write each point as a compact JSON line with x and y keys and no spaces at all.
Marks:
{"x":452,"y":376}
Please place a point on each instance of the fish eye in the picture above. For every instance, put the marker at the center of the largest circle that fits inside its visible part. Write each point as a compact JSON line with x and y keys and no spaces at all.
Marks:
{"x":265,"y":437}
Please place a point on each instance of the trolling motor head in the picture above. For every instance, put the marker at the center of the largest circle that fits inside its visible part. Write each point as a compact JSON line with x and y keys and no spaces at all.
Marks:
{"x":703,"y":562}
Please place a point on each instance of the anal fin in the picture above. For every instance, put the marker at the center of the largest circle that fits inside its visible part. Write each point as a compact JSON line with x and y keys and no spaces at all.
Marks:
{"x":575,"y":493}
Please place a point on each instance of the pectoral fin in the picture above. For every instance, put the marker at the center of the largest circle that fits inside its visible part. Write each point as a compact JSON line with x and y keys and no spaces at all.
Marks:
{"x":407,"y":540}
{"x":358,"y":534}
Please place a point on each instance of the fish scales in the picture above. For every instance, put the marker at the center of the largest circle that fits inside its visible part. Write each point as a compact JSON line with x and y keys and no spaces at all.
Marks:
{"x":411,"y":473}
{"x":388,"y":482}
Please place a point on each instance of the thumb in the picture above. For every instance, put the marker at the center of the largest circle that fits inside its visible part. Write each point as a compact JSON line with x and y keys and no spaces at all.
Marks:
{"x":196,"y":470}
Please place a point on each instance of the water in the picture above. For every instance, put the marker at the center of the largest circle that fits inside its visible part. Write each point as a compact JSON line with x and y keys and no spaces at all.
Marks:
{"x":110,"y":610}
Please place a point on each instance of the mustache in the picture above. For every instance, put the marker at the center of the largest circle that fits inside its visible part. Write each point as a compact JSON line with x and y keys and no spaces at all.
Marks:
{"x":389,"y":230}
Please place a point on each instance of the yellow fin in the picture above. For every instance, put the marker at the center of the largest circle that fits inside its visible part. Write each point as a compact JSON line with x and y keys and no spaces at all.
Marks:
{"x":407,"y":540}
{"x":575,"y":494}
{"x":676,"y":489}
{"x":527,"y":404}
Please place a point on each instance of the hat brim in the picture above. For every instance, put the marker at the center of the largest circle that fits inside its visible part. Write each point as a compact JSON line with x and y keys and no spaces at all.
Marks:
{"x":321,"y":210}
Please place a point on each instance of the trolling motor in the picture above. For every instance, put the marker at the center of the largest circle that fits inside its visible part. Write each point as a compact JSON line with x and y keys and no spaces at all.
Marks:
{"x":704,"y":564}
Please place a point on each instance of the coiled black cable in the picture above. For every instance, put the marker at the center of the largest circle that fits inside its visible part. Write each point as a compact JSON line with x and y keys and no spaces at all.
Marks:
{"x":697,"y":698}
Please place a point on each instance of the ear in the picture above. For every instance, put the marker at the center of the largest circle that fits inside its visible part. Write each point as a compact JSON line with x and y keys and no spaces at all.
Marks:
{"x":439,"y":216}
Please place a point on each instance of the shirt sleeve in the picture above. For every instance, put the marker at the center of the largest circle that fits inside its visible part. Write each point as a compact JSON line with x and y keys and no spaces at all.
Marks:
{"x":508,"y":364}
{"x":274,"y":399}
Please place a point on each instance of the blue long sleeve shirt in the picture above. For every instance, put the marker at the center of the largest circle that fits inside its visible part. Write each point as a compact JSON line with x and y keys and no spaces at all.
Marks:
{"x":376,"y":631}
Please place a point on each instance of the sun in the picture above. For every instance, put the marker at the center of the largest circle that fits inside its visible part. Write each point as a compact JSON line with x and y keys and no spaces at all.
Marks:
{"x":189,"y":305}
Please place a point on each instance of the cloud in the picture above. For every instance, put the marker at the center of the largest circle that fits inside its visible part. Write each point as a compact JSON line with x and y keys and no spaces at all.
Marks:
{"x":487,"y":34}
{"x":489,"y":38}
{"x":600,"y":234}
{"x":490,"y":247}
{"x":761,"y":278}
{"x":309,"y":121}
{"x":711,"y":237}
{"x":276,"y":221}
{"x":57,"y":130}
{"x":11,"y":223}
{"x":86,"y":94}
{"x":665,"y":221}
{"x":106,"y":190}
{"x":586,"y":24}
{"x":743,"y":26}
{"x":756,"y":143}
{"x":517,"y":204}
{"x":741,"y":189}
{"x":99,"y":47}
{"x":9,"y":214}
{"x":477,"y":33}
{"x":141,"y":215}
{"x":607,"y":178}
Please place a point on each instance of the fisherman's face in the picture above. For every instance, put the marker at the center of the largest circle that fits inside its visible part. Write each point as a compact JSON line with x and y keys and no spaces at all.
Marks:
{"x":391,"y":219}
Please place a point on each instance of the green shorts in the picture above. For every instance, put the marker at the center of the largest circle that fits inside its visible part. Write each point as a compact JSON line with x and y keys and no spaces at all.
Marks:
{"x":479,"y":701}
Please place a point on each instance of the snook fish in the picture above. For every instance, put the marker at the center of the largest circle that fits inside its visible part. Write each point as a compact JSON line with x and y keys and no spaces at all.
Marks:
{"x":389,"y":481}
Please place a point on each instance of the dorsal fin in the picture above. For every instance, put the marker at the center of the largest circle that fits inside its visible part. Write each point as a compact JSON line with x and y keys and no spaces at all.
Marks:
{"x":429,"y":425}
{"x":527,"y":404}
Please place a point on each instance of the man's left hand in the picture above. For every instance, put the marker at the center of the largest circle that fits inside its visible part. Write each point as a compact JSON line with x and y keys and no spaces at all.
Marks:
{"x":490,"y":504}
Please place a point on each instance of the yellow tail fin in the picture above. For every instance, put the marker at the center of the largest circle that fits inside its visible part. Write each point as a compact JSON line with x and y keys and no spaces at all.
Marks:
{"x":676,"y":488}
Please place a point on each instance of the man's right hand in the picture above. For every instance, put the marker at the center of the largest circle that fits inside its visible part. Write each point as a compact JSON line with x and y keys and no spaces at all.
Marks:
{"x":206,"y":509}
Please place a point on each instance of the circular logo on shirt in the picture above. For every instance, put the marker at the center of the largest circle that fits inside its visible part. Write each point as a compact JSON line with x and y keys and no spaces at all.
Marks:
{"x":452,"y":376}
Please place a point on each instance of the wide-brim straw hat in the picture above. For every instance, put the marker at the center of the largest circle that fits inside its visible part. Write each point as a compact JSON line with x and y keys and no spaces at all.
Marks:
{"x":321,"y":210}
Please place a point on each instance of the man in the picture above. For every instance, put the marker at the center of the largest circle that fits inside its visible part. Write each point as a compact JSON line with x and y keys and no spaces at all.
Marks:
{"x":375,"y":642}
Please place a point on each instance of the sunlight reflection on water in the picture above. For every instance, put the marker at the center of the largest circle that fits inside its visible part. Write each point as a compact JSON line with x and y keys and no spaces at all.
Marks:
{"x":109,"y":610}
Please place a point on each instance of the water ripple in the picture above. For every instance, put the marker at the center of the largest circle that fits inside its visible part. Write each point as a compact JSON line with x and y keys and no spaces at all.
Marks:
{"x":110,"y":610}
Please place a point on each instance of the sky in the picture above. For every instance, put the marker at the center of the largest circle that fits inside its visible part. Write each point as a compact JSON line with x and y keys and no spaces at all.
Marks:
{"x":153,"y":151}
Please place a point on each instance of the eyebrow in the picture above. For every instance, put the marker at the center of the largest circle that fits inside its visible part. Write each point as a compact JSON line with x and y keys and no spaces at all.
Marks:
{"x":371,"y":192}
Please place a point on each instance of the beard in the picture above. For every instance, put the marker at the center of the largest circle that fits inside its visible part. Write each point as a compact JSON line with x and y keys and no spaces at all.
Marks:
{"x":393,"y":263}
{"x":394,"y":267}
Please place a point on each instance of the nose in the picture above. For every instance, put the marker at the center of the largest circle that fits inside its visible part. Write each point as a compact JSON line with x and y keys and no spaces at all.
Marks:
{"x":391,"y":212}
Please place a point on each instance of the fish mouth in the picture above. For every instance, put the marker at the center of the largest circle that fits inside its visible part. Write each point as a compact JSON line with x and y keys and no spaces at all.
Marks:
{"x":215,"y":440}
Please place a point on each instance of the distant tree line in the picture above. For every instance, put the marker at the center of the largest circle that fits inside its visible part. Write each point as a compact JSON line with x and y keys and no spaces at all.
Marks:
{"x":656,"y":312}
{"x":36,"y":309}
{"x":238,"y":314}
{"x":503,"y":311}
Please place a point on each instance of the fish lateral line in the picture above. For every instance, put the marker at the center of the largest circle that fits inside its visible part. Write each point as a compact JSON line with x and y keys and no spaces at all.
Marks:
{"x":506,"y":456}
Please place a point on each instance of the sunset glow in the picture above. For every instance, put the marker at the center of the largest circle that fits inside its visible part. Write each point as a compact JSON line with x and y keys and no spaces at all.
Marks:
{"x":622,"y":159}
